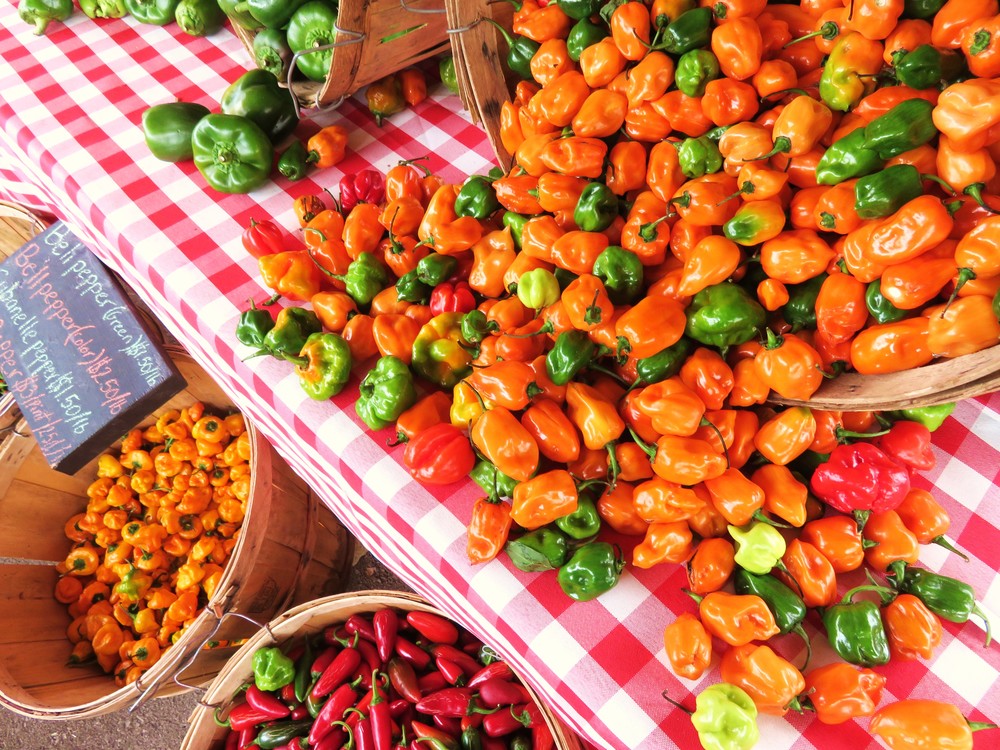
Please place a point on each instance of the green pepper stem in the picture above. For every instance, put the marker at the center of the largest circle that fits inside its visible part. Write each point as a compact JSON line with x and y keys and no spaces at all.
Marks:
{"x":697,"y":597}
{"x":706,"y":422}
{"x":782,"y":145}
{"x":801,"y":633}
{"x":758,"y":515}
{"x":646,"y":447}
{"x":844,"y":435}
{"x":773,"y":341}
{"x":828,"y":31}
{"x":976,"y":726}
{"x":938,"y":180}
{"x":964,"y":275}
{"x":609,"y":373}
{"x":613,"y":466}
{"x":219,"y":722}
{"x":975,"y":191}
{"x":943,"y":541}
{"x":977,"y":610}
{"x":646,"y":231}
{"x":884,"y":592}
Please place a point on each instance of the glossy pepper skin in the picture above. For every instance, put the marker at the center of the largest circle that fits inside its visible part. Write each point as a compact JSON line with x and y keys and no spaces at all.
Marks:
{"x":725,"y":718}
{"x":688,"y":646}
{"x":772,"y":682}
{"x":385,"y":393}
{"x":860,"y":477}
{"x":572,"y":351}
{"x":736,"y":619}
{"x":291,"y":329}
{"x":199,"y":17}
{"x":622,"y":273}
{"x":270,"y":48}
{"x":323,"y":365}
{"x":156,"y":12}
{"x":947,"y":597}
{"x":664,"y":364}
{"x":904,"y":127}
{"x":694,"y":70}
{"x":312,"y":24}
{"x":476,"y":198}
{"x":438,"y":355}
{"x":839,"y":692}
{"x":103,"y":8}
{"x":293,"y":163}
{"x":596,"y":208}
{"x":884,"y":193}
{"x":232,"y":153}
{"x":912,"y":722}
{"x":542,"y":549}
{"x":919,"y":68}
{"x":723,"y":315}
{"x":593,"y":569}
{"x":691,"y":30}
{"x":440,"y":454}
{"x":787,"y":607}
{"x":167,"y":129}
{"x":494,"y":482}
{"x":257,"y":96}
{"x":252,"y":326}
{"x":847,"y":157}
{"x":272,"y":670}
{"x":855,"y":630}
{"x":582,"y":523}
{"x":879,"y":306}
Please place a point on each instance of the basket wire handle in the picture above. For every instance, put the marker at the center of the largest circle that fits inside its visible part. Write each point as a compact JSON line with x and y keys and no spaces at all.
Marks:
{"x":353,"y":37}
{"x":406,"y":6}
{"x":462,"y":29}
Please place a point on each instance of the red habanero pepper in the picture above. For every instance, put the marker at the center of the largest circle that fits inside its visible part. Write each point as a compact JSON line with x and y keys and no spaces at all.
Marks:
{"x":908,"y":443}
{"x":860,"y":478}
{"x":448,"y":297}
{"x":367,"y":186}
{"x":264,"y":238}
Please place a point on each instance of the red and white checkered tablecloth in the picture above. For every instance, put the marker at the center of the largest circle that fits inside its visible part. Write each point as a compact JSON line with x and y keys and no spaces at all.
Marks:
{"x":70,"y":142}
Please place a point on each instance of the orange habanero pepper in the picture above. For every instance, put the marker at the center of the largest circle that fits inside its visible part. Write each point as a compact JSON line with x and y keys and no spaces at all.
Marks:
{"x":784,"y":437}
{"x":891,"y":347}
{"x":840,"y":691}
{"x":771,"y":681}
{"x":688,"y":646}
{"x":809,"y":573}
{"x":488,"y":529}
{"x":736,"y":619}
{"x":913,"y":630}
{"x":501,"y":438}
{"x":543,"y":499}
{"x":557,"y":438}
{"x":711,"y":565}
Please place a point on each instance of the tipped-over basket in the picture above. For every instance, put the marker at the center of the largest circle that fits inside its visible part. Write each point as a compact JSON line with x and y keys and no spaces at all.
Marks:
{"x":291,"y":549}
{"x":306,"y":620}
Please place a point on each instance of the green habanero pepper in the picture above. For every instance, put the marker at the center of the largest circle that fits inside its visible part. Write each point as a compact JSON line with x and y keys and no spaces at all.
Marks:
{"x":725,"y":718}
{"x":272,"y":670}
{"x":855,"y":629}
{"x":724,"y":315}
{"x":847,"y":157}
{"x":515,"y":222}
{"x":272,"y":53}
{"x":477,"y":198}
{"x":155,"y":12}
{"x":167,"y":129}
{"x":884,"y":193}
{"x":253,"y":325}
{"x":199,"y":17}
{"x":584,"y":33}
{"x":572,"y":351}
{"x":494,"y":482}
{"x":759,"y":546}
{"x":931,"y":417}
{"x":293,"y":163}
{"x":664,"y":364}
{"x":922,"y":8}
{"x":542,"y":549}
{"x":40,"y":13}
{"x":385,"y":393}
{"x":694,"y":71}
{"x":257,"y":96}
{"x":788,"y":608}
{"x":291,"y":329}
{"x":752,"y":224}
{"x":881,"y":309}
{"x":409,"y":288}
{"x":840,"y":85}
{"x":948,"y":598}
{"x":538,"y":288}
{"x":582,"y":523}
{"x":691,"y":30}
{"x":564,"y":277}
{"x":313,"y":26}
{"x":699,"y":157}
{"x":919,"y":68}
{"x":365,"y":277}
{"x":520,"y":50}
{"x":434,"y":269}
{"x":579,"y":9}
{"x":281,"y":733}
{"x":596,"y":208}
{"x":232,"y":153}
{"x":103,"y":8}
{"x":274,"y":14}
{"x":622,"y":273}
{"x":449,"y":77}
{"x":323,"y":365}
{"x":593,"y":569}
{"x":241,"y":18}
{"x":904,"y":127}
{"x":800,"y":310}
{"x":439,"y":353}
{"x":476,"y":326}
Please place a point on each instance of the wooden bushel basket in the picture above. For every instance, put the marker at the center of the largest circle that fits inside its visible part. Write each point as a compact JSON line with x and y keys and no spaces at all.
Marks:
{"x":374,"y":38}
{"x":291,"y":549}
{"x":302,"y":621}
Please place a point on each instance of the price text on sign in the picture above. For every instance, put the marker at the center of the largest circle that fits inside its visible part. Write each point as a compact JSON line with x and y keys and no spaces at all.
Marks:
{"x":77,"y":358}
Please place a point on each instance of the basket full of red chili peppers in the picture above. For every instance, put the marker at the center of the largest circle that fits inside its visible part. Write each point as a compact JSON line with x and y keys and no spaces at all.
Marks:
{"x":380,"y":670}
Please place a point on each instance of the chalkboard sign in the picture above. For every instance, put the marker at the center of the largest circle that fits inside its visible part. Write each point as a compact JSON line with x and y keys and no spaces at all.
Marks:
{"x":77,"y":358}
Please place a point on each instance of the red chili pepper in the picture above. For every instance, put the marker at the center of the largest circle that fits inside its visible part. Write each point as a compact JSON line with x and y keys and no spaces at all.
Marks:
{"x":504,"y":722}
{"x":541,"y":737}
{"x":469,"y":665}
{"x":232,"y":741}
{"x":338,"y":636}
{"x":369,"y":654}
{"x":448,"y":724}
{"x":404,"y":679}
{"x":441,"y":454}
{"x":342,"y":667}
{"x":247,"y":737}
{"x":428,"y":736}
{"x":363,"y":627}
{"x":367,"y":186}
{"x":359,"y":710}
{"x":860,"y":477}
{"x":251,"y":714}
{"x":386,"y":625}
{"x":497,"y":692}
{"x":322,"y":661}
{"x":333,"y":710}
{"x":264,"y":238}
{"x":333,"y":741}
{"x":908,"y":443}
{"x":497,"y":669}
{"x":363,"y":735}
{"x":451,"y":671}
{"x":433,"y":627}
{"x":450,"y":701}
{"x":431,"y":682}
{"x":301,"y":711}
{"x":378,"y":712}
{"x":455,"y":297}
{"x":399,"y":707}
{"x":413,"y":654}
{"x":288,"y":693}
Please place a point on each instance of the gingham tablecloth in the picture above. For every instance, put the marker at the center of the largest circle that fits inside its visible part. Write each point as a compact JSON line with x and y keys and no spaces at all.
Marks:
{"x":70,"y":142}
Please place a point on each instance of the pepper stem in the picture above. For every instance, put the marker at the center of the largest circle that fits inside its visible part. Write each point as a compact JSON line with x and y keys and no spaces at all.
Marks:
{"x":943,"y":541}
{"x":828,"y":31}
{"x":975,"y":191}
{"x":758,"y":515}
{"x":977,"y":610}
{"x":682,"y":707}
{"x":844,"y":435}
{"x":976,"y":726}
{"x":801,"y":633}
{"x":646,"y":447}
{"x":613,"y":466}
{"x":782,"y":145}
{"x":884,"y":592}
{"x":697,"y":597}
{"x":861,"y":518}
{"x":706,"y":422}
{"x":773,"y":341}
{"x":646,"y":231}
{"x":964,"y":276}
{"x":934,"y":178}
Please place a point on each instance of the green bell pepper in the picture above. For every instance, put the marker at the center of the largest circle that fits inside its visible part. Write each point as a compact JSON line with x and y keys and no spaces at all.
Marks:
{"x":664,"y":364}
{"x":922,"y":8}
{"x":759,"y":546}
{"x":622,"y":273}
{"x":919,"y":68}
{"x":520,"y":50}
{"x":571,"y":352}
{"x":847,"y":157}
{"x":323,"y":365}
{"x":167,"y":129}
{"x":273,"y":14}
{"x":199,"y":17}
{"x":694,"y":71}
{"x":788,"y":608}
{"x":103,"y":8}
{"x":884,"y":193}
{"x":578,"y":9}
{"x":272,"y":670}
{"x":948,"y":598}
{"x":691,"y":30}
{"x":538,"y":288}
{"x":294,"y":161}
{"x":800,"y":310}
{"x":855,"y":629}
{"x":542,"y":549}
{"x":313,"y":26}
{"x":40,"y":13}
{"x":232,"y":153}
{"x":253,"y":325}
{"x":272,"y":53}
{"x":725,"y":718}
{"x":904,"y":127}
{"x":931,"y":417}
{"x":257,"y":96}
{"x":515,"y":222}
{"x":723,"y":315}
{"x":241,"y":18}
{"x":434,"y":269}
{"x":477,"y":198}
{"x":494,"y":482}
{"x":281,"y":733}
{"x":699,"y":157}
{"x":582,"y":523}
{"x":596,"y":208}
{"x":409,"y":288}
{"x":881,"y":309}
{"x":593,"y":569}
{"x":291,"y":329}
{"x":476,"y":326}
{"x":583,"y":34}
{"x":448,"y":74}
{"x":365,"y":277}
{"x":155,"y":12}
{"x":385,"y":393}
{"x":439,"y":353}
